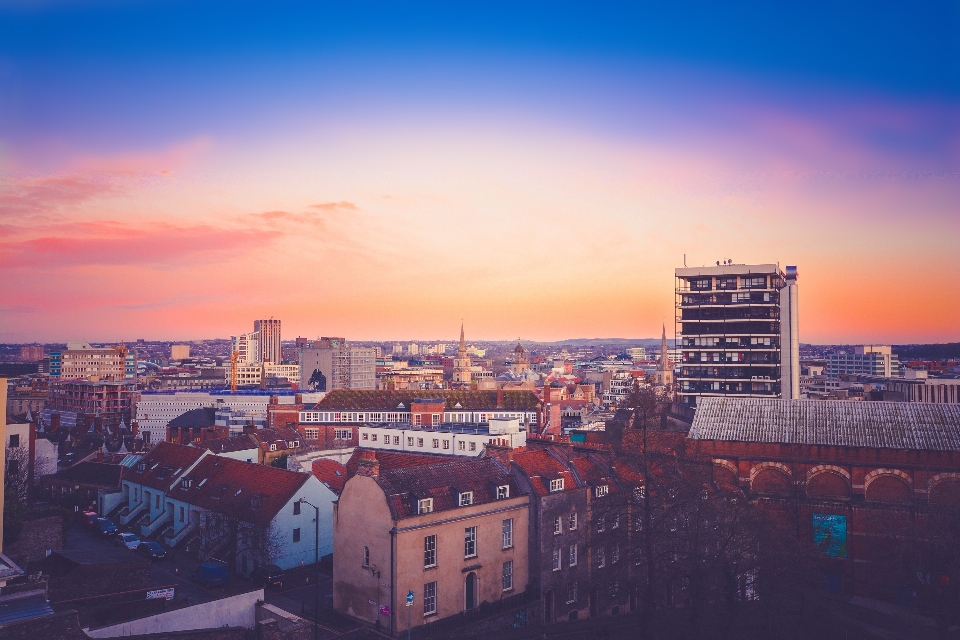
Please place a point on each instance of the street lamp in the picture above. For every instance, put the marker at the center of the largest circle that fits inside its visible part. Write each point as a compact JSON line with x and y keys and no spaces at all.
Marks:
{"x":316,"y":570}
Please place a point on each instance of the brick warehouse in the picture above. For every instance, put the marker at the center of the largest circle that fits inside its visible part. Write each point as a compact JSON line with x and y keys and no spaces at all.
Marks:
{"x":853,"y":471}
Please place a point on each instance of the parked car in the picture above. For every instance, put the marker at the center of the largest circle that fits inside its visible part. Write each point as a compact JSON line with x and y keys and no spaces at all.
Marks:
{"x":128,"y":540}
{"x":106,"y":526}
{"x":151,"y":550}
{"x":89,"y":518}
{"x":269,"y":575}
{"x":211,"y":573}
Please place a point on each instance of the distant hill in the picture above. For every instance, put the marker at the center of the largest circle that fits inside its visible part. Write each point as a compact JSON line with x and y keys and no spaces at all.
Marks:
{"x":948,"y":351}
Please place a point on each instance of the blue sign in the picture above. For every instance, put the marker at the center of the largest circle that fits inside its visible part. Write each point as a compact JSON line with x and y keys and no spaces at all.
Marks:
{"x":410,"y":598}
{"x":830,"y":534}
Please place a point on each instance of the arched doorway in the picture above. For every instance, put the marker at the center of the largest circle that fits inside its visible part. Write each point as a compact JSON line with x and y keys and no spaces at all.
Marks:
{"x":548,"y":606}
{"x":471,"y":591}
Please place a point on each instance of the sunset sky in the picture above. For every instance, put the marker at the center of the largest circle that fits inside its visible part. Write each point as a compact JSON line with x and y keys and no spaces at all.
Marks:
{"x":384,"y":170}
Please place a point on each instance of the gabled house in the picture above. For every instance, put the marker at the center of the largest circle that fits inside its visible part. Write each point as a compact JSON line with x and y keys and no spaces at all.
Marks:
{"x":454,"y":533}
{"x":275,"y":443}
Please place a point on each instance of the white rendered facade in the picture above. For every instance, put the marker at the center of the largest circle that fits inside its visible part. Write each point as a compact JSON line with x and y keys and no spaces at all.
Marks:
{"x":157,"y":408}
{"x":247,"y":347}
{"x":447,"y":439}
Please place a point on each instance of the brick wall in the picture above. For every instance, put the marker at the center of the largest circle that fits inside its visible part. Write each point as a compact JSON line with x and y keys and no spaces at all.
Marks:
{"x":37,"y":536}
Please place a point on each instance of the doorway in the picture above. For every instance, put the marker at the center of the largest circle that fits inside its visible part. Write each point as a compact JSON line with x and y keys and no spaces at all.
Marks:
{"x":548,"y":606}
{"x":471,"y":591}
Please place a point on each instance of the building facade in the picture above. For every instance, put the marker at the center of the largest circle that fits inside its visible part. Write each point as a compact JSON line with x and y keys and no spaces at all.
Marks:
{"x":462,"y":368}
{"x":77,"y":401}
{"x":269,"y":340}
{"x":454,"y":534}
{"x":864,"y":360}
{"x":80,"y":361}
{"x":728,"y":320}
{"x":331,"y":363}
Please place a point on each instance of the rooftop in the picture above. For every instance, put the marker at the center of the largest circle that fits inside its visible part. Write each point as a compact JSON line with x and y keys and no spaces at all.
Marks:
{"x":242,"y":442}
{"x":879,"y":425}
{"x":197,"y":418}
{"x":166,"y":458}
{"x":99,"y":473}
{"x":541,"y":467}
{"x":342,"y":399}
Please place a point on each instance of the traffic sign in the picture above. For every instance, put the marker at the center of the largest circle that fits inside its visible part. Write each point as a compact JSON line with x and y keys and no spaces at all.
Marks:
{"x":410,"y":598}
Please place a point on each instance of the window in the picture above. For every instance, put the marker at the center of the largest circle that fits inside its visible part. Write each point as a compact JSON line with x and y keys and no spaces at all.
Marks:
{"x":366,"y":556}
{"x":639,"y":493}
{"x":296,"y":508}
{"x":158,"y":501}
{"x":466,"y":498}
{"x":473,"y":446}
{"x":296,"y":535}
{"x":614,"y":588}
{"x":436,"y":443}
{"x":573,"y":521}
{"x":273,"y":447}
{"x":469,"y":542}
{"x":374,"y":437}
{"x":556,"y":485}
{"x":615,"y":554}
{"x":557,"y":526}
{"x":409,"y":441}
{"x":181,"y":514}
{"x":314,"y":434}
{"x":508,"y":575}
{"x":446,"y":444}
{"x":462,"y":446}
{"x":429,"y":552}
{"x":503,"y":491}
{"x":342,"y":434}
{"x":571,"y":592}
{"x":365,"y":436}
{"x":396,"y":439}
{"x":430,"y":598}
{"x":573,"y":555}
{"x":556,"y":559}
{"x":601,"y":557}
{"x":14,"y":440}
{"x":425,"y":505}
{"x":419,"y":442}
{"x":601,"y":491}
{"x":616,"y":521}
{"x":435,"y":419}
{"x":508,"y":533}
{"x":601,"y":525}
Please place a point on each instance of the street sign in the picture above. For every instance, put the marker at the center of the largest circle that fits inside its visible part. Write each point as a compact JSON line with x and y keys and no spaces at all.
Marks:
{"x":384,"y":610}
{"x":410,"y":598}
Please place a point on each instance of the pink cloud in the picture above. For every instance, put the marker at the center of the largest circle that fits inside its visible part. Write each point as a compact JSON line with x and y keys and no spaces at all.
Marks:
{"x":343,"y":205}
{"x":107,"y":243}
{"x":163,"y":160}
{"x":28,"y":197}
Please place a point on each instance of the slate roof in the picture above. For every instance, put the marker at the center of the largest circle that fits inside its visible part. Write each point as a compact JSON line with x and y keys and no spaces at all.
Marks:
{"x":164,"y":455}
{"x":393,"y":459}
{"x":346,"y":400}
{"x":202,"y":417}
{"x":331,"y":473}
{"x":242,"y":442}
{"x":98,"y":473}
{"x":283,"y":437}
{"x":541,"y":467}
{"x":877,"y":425}
{"x":444,"y":482}
{"x":227,"y":486}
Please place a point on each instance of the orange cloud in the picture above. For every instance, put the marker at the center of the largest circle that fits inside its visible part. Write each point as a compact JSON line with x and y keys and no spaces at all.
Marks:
{"x":343,"y":205}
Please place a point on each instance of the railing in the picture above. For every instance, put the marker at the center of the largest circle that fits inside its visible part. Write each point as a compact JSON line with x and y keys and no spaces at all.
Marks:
{"x":127,"y":518}
{"x":150,"y":528}
{"x":176,"y":539}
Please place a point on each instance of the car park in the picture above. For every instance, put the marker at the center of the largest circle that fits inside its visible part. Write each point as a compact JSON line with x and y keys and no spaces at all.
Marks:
{"x":152,"y":550}
{"x":269,"y":575}
{"x":128,"y":540}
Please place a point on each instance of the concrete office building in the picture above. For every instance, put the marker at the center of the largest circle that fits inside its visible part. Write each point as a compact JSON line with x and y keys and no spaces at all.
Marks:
{"x":789,"y":337}
{"x":269,"y":343}
{"x":179,"y":351}
{"x":729,"y":330}
{"x":331,"y":363}
{"x":80,"y":361}
{"x":866,"y":360}
{"x":247,"y":347}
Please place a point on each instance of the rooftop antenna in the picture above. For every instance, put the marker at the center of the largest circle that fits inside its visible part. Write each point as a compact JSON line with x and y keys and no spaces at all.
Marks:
{"x":684,"y":260}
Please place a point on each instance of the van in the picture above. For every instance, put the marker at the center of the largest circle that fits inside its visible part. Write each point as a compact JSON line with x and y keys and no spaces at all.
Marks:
{"x":211,"y":573}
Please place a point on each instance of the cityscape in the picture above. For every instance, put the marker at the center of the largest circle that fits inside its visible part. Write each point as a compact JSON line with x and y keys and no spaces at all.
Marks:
{"x":299,"y":312}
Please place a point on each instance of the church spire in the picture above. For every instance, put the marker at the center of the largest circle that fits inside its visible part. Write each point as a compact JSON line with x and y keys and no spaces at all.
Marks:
{"x":664,"y":354}
{"x":463,"y":342}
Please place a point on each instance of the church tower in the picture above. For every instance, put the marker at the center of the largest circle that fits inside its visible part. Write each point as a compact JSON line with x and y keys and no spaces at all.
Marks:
{"x":665,"y":367}
{"x":520,"y":361}
{"x":461,"y":364}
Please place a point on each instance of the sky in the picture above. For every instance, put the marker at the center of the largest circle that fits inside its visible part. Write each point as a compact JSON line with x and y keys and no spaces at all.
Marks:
{"x":374,"y":170}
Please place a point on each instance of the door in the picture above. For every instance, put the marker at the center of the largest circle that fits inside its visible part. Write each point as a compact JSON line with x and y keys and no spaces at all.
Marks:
{"x":548,"y":606}
{"x":471,"y":590}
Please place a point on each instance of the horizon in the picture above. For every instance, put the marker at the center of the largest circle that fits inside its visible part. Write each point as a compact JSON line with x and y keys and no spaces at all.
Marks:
{"x":370,"y":169}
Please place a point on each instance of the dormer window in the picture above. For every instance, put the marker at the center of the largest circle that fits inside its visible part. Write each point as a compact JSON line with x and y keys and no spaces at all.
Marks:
{"x":601,"y":490}
{"x":273,"y":447}
{"x":503,"y":492}
{"x":466,"y":498}
{"x":254,"y":502}
{"x":186,"y":483}
{"x":425,"y":505}
{"x":141,"y":467}
{"x":556,"y":485}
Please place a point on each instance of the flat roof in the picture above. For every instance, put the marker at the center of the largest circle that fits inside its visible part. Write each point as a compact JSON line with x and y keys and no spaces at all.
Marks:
{"x":726,"y":270}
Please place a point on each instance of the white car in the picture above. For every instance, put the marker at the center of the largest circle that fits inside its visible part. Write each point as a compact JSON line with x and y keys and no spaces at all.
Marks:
{"x":128,"y":540}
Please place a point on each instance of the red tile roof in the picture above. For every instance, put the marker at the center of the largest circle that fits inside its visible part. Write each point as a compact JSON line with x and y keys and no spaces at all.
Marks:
{"x":390,"y":460}
{"x":167,"y":457}
{"x":541,"y":467}
{"x":232,"y":487}
{"x":592,"y":474}
{"x":443,"y":482}
{"x":331,"y":473}
{"x":283,"y":437}
{"x":347,"y":400}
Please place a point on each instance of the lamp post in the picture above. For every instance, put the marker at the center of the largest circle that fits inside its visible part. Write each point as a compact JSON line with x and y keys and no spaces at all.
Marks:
{"x":316,"y":570}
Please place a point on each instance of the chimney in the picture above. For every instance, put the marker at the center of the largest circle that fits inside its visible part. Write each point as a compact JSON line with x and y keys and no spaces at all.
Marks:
{"x":250,"y":428}
{"x":54,"y":421}
{"x":99,"y":455}
{"x":274,"y":400}
{"x":368,"y":465}
{"x":134,"y":428}
{"x":546,"y":393}
{"x":499,"y":397}
{"x":298,"y":399}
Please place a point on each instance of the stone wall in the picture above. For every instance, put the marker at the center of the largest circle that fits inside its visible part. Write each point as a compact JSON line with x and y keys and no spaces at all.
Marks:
{"x":37,"y":537}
